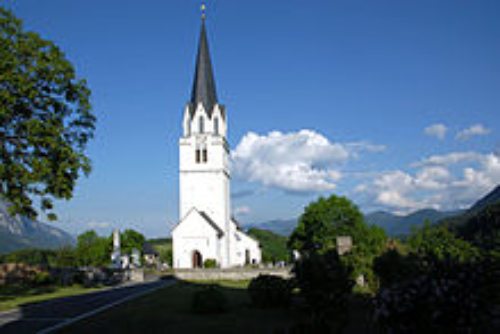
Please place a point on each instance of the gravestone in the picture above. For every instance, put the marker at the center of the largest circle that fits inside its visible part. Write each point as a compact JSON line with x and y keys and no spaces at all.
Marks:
{"x":116,"y":258}
{"x":344,"y":244}
{"x":136,"y":258}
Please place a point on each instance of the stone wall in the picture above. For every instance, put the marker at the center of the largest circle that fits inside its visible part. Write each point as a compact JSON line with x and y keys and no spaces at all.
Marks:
{"x":17,"y":273}
{"x":229,"y":274}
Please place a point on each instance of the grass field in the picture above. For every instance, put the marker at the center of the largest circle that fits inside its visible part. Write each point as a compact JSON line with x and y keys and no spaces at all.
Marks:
{"x":169,"y":311}
{"x":12,"y":297}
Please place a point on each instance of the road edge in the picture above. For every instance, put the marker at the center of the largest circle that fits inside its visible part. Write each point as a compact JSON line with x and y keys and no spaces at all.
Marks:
{"x":104,"y":308}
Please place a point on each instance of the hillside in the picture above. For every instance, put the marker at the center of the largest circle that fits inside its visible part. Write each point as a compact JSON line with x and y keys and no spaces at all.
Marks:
{"x":19,"y":232}
{"x":457,"y":221}
{"x":482,"y":228}
{"x":395,"y":225}
{"x":491,"y":198}
{"x":283,"y":227}
{"x":273,"y":245}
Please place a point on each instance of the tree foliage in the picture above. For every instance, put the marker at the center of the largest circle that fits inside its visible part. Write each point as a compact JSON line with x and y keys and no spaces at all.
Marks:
{"x":45,"y":120}
{"x":439,"y":242}
{"x":325,"y":282}
{"x":93,"y":250}
{"x":273,"y":245}
{"x":323,"y":221}
{"x":326,"y":219}
{"x":131,"y":239}
{"x":483,"y":229}
{"x":31,"y":256}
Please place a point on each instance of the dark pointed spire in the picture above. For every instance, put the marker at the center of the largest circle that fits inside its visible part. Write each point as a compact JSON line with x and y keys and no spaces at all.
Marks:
{"x":204,"y":83}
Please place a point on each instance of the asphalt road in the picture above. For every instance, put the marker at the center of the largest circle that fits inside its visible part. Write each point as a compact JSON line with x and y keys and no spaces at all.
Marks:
{"x":37,"y":317}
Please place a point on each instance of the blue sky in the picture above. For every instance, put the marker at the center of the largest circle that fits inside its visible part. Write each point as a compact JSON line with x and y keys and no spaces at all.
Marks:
{"x":394,"y":104}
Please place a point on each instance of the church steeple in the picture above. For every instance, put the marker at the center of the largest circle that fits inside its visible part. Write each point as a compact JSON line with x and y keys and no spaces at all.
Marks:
{"x":204,"y":84}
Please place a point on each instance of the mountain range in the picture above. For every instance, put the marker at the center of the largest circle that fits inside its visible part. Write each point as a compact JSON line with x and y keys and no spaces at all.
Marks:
{"x":395,"y":225}
{"x":283,"y":227}
{"x":20,"y":232}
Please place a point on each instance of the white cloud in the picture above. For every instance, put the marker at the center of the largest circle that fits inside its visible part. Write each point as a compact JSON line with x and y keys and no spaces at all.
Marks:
{"x":242,"y":210}
{"x":474,"y":130}
{"x":436,"y":183}
{"x":449,"y":159}
{"x":300,"y":161}
{"x":356,"y":148}
{"x":432,"y":178}
{"x":437,"y":130}
{"x":98,"y":224}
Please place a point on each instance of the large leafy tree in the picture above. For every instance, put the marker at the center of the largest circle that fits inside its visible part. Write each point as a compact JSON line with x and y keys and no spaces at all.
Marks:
{"x":45,"y":121}
{"x":328,"y":218}
{"x":93,"y":250}
{"x":131,"y":239}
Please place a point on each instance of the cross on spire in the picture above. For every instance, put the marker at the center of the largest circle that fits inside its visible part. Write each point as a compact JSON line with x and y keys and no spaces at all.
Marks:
{"x":203,"y":9}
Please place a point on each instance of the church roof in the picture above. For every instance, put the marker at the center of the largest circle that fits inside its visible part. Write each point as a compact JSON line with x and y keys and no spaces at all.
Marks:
{"x":206,"y":217}
{"x":204,"y":83}
{"x":147,"y":248}
{"x":209,"y":220}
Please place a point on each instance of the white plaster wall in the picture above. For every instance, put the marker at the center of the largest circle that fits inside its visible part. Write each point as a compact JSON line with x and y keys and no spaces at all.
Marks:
{"x":243,"y":243}
{"x":194,"y":233}
{"x":205,"y":186}
{"x":239,"y":243}
{"x":206,"y":192}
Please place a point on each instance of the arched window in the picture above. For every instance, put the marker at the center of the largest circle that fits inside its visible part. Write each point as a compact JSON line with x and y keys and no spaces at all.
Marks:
{"x":198,"y":156}
{"x":205,"y":155}
{"x":201,"y":125}
{"x":216,"y":126}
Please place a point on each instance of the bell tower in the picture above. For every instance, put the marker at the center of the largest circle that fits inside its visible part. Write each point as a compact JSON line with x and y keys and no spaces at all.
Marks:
{"x":204,"y":152}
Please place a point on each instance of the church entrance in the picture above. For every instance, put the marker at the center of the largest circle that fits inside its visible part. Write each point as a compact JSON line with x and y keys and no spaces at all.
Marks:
{"x":197,"y":259}
{"x":247,"y":256}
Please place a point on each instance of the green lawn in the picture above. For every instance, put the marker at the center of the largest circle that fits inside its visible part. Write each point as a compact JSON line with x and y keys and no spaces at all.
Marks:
{"x":12,"y":297}
{"x":168,"y":310}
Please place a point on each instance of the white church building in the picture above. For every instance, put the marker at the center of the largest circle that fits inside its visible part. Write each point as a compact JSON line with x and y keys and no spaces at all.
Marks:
{"x":206,"y":230}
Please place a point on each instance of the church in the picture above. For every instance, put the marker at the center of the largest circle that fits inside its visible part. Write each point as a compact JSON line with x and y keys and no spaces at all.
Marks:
{"x":206,"y":230}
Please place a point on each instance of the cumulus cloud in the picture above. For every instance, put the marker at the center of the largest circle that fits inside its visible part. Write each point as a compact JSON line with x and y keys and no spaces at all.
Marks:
{"x":437,"y":130}
{"x":242,"y":210}
{"x":472,"y":131}
{"x":440,"y":182}
{"x":302,"y":161}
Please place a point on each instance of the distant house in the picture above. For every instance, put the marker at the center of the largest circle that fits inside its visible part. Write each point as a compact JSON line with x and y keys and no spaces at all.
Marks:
{"x":150,"y":254}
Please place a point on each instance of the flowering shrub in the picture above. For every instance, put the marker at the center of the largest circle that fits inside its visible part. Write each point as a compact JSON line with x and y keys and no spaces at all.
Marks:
{"x":448,"y":296}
